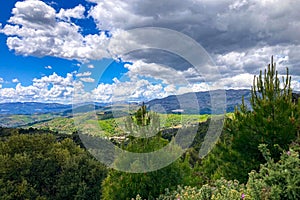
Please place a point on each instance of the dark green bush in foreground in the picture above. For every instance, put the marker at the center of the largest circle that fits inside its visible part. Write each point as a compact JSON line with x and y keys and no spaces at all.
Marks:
{"x":275,"y":180}
{"x":39,"y":167}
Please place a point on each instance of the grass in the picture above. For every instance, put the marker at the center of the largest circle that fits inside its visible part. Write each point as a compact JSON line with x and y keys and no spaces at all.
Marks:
{"x":88,"y":123}
{"x":21,"y":120}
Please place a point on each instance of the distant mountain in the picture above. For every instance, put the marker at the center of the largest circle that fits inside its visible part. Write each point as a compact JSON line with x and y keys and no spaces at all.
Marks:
{"x":29,"y":108}
{"x":199,"y":102}
{"x":188,"y":102}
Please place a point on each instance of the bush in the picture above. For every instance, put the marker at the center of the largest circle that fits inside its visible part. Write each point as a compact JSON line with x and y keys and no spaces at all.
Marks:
{"x":274,"y":181}
{"x":221,"y":190}
{"x":123,"y":185}
{"x":38,"y":167}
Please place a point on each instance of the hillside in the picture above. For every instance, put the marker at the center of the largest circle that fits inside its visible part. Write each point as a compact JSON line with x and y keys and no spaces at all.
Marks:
{"x":170,"y":103}
{"x":57,"y":117}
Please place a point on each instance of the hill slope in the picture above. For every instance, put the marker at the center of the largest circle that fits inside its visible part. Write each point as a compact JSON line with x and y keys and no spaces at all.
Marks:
{"x":190,"y":100}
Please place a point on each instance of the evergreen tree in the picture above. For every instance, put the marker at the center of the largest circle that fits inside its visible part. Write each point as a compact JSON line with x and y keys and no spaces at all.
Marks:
{"x":271,"y":121}
{"x":122,"y":185}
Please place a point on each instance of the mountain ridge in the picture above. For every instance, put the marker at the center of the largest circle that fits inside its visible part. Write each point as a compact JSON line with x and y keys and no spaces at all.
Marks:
{"x":203,"y":104}
{"x":169,"y":103}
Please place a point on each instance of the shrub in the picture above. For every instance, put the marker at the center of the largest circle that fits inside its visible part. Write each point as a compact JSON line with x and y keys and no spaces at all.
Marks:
{"x":38,"y":167}
{"x":274,"y":181}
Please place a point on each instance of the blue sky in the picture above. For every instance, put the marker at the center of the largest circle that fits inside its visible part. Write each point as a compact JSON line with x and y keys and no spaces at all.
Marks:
{"x":51,"y":49}
{"x":25,"y":68}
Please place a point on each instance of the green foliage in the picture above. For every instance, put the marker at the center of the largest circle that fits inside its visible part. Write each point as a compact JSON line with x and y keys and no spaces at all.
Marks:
{"x":274,"y":181}
{"x":110,"y":127}
{"x":143,"y":123}
{"x":271,"y":121}
{"x":175,"y":120}
{"x":58,"y":124}
{"x":220,"y":190}
{"x":122,"y":185}
{"x":38,"y":167}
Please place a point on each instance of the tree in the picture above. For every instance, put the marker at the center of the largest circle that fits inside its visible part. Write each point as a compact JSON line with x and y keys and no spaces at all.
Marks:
{"x":38,"y":167}
{"x":122,"y":185}
{"x":271,"y":121}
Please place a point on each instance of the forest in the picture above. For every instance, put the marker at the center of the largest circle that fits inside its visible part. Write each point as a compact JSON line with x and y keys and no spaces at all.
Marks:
{"x":256,"y":156}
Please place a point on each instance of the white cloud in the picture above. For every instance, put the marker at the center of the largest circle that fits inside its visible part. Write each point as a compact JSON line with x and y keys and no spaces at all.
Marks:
{"x":33,"y":14}
{"x":255,"y":59}
{"x":34,"y":29}
{"x":91,"y":66}
{"x":166,"y":74}
{"x":77,"y":13}
{"x":87,"y":80}
{"x":238,"y":4}
{"x":128,"y":91}
{"x":240,"y":81}
{"x":84,"y":74}
{"x":52,"y":88}
{"x":48,"y":67}
{"x":110,"y":15}
{"x":1,"y":80}
{"x":240,"y":36}
{"x":15,"y":80}
{"x":295,"y":85}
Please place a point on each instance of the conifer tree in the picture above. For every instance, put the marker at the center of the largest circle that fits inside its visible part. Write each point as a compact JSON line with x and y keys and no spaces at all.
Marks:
{"x":144,"y":138}
{"x":271,"y":120}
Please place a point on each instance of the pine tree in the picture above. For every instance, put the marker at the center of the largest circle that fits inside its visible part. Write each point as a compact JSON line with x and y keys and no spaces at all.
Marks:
{"x":122,"y":185}
{"x":271,"y":121}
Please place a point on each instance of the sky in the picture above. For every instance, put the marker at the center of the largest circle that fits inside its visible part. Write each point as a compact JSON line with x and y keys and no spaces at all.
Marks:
{"x":57,"y":50}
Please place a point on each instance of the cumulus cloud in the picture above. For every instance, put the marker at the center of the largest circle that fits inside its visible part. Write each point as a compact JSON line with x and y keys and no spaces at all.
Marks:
{"x":87,"y":80}
{"x":221,"y":26}
{"x":252,"y":30}
{"x":48,"y":67}
{"x":295,"y":85}
{"x":163,"y":73}
{"x":55,"y":88}
{"x":239,"y":35}
{"x":255,"y":59}
{"x":52,"y":88}
{"x":223,"y":23}
{"x":15,"y":80}
{"x":77,"y":13}
{"x":34,"y":29}
{"x":128,"y":91}
{"x":84,"y":74}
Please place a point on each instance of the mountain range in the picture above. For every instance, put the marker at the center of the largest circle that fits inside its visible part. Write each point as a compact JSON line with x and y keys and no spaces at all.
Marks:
{"x":189,"y":103}
{"x":200,"y":102}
